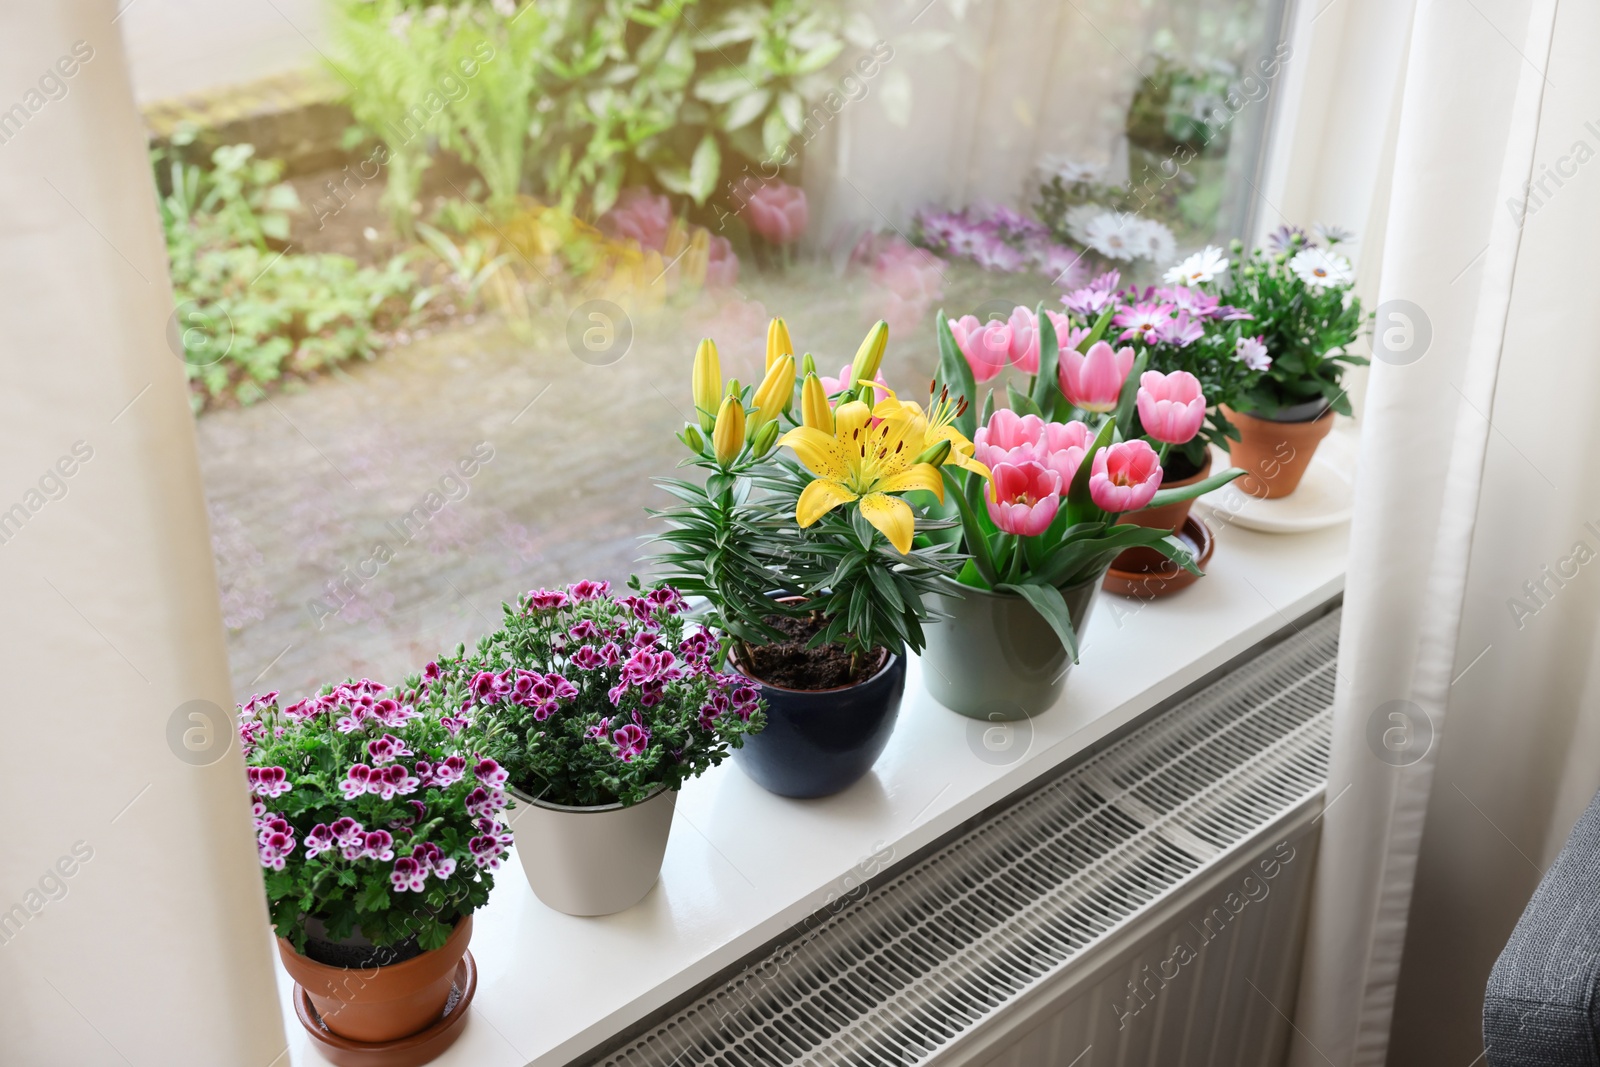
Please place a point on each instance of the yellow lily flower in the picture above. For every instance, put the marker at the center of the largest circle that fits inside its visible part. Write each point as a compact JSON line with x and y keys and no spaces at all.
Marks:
{"x":727,"y":436}
{"x":706,"y":383}
{"x":778,"y":343}
{"x":864,"y":460}
{"x":814,"y":409}
{"x":775,"y":393}
{"x":869,"y":357}
{"x":937,"y":424}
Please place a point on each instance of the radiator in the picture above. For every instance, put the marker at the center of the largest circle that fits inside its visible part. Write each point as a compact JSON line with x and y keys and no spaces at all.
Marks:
{"x":1145,"y":907}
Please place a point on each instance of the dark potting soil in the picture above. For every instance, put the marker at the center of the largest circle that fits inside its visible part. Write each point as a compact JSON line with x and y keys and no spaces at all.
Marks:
{"x":357,"y":951}
{"x":1178,"y":467}
{"x":789,"y":664}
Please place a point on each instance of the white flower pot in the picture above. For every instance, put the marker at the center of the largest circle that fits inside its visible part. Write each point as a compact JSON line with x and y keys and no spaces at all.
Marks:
{"x":592,"y":861}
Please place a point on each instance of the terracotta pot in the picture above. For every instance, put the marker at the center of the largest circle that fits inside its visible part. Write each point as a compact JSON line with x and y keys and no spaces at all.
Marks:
{"x":378,"y":1004}
{"x":595,"y":860}
{"x":1274,"y":455}
{"x":994,"y":657}
{"x":818,"y":742}
{"x":1170,"y":516}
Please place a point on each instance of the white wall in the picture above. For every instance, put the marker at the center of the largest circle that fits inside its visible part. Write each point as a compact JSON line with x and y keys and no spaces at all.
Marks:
{"x":178,"y":47}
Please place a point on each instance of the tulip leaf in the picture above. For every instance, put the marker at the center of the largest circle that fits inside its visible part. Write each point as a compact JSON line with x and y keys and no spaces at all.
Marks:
{"x":955,"y":374}
{"x":1189,"y":492}
{"x":1021,"y":403}
{"x":1047,"y":386}
{"x":1099,"y":329}
{"x":1128,"y":401}
{"x":1048,"y":602}
{"x":1078,"y":494}
{"x":977,"y":540}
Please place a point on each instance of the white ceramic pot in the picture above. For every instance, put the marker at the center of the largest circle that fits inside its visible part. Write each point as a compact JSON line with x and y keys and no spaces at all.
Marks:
{"x":592,"y":861}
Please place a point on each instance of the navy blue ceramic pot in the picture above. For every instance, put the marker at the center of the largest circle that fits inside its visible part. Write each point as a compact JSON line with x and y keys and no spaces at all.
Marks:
{"x":820,"y":741}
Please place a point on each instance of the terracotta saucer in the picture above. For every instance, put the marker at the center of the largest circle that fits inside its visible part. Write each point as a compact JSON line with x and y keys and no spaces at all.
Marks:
{"x":1145,"y":573}
{"x":412,"y":1051}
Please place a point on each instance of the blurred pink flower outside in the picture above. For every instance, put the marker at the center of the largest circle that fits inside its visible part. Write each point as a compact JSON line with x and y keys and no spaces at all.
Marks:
{"x":906,"y":281}
{"x":640,"y":215}
{"x":777,"y":212}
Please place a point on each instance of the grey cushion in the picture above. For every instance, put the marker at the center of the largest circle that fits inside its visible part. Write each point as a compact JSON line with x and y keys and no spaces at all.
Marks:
{"x":1542,"y":1006}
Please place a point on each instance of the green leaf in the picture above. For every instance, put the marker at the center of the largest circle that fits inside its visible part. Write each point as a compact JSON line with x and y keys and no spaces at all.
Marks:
{"x":1047,"y":386}
{"x":775,"y":134}
{"x":977,"y":541}
{"x":1189,"y":492}
{"x":1078,"y":493}
{"x":1128,"y":401}
{"x":705,"y":168}
{"x":722,"y":86}
{"x":746,"y":109}
{"x":1048,"y":602}
{"x":1020,"y":402}
{"x":955,"y":374}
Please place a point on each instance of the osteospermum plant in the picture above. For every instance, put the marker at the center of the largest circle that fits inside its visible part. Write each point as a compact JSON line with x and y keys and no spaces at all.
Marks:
{"x":1299,"y":293}
{"x":372,"y":814}
{"x":586,"y":698}
{"x":809,"y":535}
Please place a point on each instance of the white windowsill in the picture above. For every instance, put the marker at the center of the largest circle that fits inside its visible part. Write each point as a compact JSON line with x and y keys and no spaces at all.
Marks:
{"x":743,"y":865}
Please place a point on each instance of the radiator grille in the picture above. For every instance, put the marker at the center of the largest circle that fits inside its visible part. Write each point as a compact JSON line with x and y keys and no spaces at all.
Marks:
{"x":897,"y":974}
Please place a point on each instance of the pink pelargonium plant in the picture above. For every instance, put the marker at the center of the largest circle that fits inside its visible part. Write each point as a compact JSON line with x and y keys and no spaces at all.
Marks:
{"x":364,"y":800}
{"x":587,"y":698}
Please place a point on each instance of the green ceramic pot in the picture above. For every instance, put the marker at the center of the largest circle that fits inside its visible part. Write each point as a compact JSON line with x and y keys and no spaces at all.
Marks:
{"x":995,"y":658}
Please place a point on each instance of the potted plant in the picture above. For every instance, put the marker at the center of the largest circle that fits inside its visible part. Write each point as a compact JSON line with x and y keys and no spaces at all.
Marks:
{"x":1304,"y":311}
{"x":808,"y":555}
{"x":1042,"y":526}
{"x":376,"y":832}
{"x":1195,"y":342}
{"x":598,"y":708}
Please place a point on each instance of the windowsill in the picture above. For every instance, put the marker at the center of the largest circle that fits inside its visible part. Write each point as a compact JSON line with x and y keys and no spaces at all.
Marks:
{"x":743,"y":865}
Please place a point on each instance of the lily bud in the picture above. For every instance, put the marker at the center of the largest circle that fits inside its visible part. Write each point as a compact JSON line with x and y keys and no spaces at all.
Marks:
{"x":866,"y":394}
{"x":727,"y":439}
{"x":869,"y":357}
{"x":776,"y":391}
{"x":778,"y":343}
{"x":936,"y":453}
{"x":765,"y":438}
{"x":707,"y":383}
{"x":814,"y":409}
{"x":690,"y":435}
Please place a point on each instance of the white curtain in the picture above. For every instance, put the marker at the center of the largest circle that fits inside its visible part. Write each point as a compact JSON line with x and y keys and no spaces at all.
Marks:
{"x":132,"y":923}
{"x":1474,"y":586}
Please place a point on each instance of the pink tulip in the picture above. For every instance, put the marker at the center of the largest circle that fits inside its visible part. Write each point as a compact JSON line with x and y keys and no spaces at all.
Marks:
{"x":1024,"y":498}
{"x":1008,"y":438}
{"x":1062,"y":448}
{"x":642,"y":216}
{"x":835,"y":385}
{"x":777,"y":211}
{"x":1093,"y":382}
{"x":987,"y":345}
{"x":1024,"y":349}
{"x":1124,"y":476}
{"x":1171,"y":406}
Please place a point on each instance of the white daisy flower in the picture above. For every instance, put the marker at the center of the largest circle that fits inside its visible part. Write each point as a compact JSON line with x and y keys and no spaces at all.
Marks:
{"x":1114,"y":235}
{"x":1203,"y":266}
{"x":1333,"y":234}
{"x":1072,"y":171}
{"x":1153,"y":241}
{"x":1319,"y":269}
{"x":1079,"y":218}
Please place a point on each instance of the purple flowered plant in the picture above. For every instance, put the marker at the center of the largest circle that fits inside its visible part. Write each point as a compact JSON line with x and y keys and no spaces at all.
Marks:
{"x":370,"y":814}
{"x":1000,"y":239}
{"x":584,"y":698}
